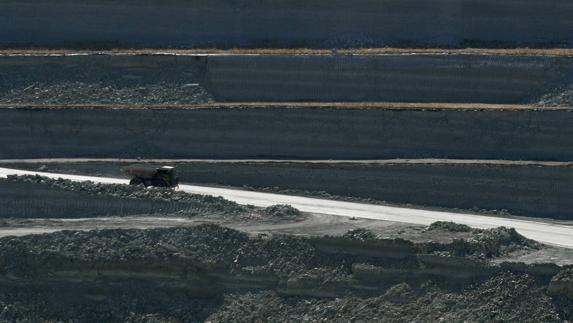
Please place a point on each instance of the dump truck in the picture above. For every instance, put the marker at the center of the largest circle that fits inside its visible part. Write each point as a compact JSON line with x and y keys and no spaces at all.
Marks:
{"x":158,"y":176}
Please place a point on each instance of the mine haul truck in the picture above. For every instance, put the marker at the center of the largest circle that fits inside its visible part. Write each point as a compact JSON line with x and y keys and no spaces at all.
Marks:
{"x":158,"y":176}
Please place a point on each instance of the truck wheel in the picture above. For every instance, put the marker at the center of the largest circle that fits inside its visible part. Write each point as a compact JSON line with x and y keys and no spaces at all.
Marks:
{"x":157,"y":182}
{"x":136,"y":181}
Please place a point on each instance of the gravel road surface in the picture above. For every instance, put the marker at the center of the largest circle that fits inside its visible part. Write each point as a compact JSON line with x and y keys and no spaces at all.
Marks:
{"x":545,"y":232}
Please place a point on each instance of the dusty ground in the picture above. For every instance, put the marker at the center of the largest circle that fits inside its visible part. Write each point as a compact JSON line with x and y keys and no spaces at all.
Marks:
{"x":259,"y":264}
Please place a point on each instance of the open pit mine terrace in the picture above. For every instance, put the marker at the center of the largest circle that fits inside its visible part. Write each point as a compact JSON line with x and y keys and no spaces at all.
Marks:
{"x":482,"y":129}
{"x":448,"y":105}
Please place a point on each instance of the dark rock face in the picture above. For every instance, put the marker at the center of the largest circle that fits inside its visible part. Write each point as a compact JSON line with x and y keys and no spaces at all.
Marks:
{"x":325,"y":24}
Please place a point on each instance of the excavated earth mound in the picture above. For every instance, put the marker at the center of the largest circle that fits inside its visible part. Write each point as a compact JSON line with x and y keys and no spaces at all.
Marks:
{"x":135,"y":192}
{"x":126,"y":199}
{"x":507,"y":297}
{"x":218,"y":274}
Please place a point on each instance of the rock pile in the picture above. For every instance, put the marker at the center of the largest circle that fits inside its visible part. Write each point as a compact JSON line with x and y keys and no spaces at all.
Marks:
{"x":280,"y":211}
{"x":477,"y":244}
{"x":507,"y":297}
{"x":449,"y":226}
{"x":195,"y":204}
{"x":480,"y":243}
{"x":192,"y":204}
{"x":560,"y":97}
{"x":360,"y":235}
{"x":103,"y":93}
{"x":184,"y":274}
{"x":490,"y":243}
{"x":562,"y":284}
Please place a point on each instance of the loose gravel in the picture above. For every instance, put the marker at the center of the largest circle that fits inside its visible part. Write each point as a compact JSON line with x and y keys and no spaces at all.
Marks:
{"x":504,"y":298}
{"x":560,"y":97}
{"x":103,"y":93}
{"x":101,"y":79}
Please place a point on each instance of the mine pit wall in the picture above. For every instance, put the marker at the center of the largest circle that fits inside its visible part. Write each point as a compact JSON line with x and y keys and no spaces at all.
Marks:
{"x":267,"y":23}
{"x":328,"y":78}
{"x":528,"y":191}
{"x":394,"y":78}
{"x":283,"y":133}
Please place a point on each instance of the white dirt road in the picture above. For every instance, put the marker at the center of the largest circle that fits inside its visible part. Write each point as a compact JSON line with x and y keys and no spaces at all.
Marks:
{"x":558,"y":234}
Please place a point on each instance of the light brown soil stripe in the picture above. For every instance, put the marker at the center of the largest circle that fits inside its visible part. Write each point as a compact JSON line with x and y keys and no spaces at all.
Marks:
{"x":335,"y":105}
{"x":296,"y":51}
{"x":422,"y":161}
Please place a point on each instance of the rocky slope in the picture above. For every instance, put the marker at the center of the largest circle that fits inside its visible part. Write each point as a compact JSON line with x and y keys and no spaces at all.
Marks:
{"x":212,"y":273}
